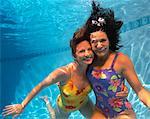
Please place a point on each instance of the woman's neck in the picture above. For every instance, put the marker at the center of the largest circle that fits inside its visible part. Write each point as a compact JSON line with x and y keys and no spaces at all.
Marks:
{"x":100,"y":61}
{"x":81,"y":68}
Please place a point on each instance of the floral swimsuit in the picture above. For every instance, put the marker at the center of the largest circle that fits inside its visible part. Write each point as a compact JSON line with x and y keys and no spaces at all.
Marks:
{"x":71,"y":98}
{"x":106,"y":83}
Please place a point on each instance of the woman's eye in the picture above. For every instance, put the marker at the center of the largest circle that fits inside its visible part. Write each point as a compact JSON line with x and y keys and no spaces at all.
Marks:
{"x":103,"y":40}
{"x":89,"y":49}
{"x":81,"y":51}
{"x":93,"y":41}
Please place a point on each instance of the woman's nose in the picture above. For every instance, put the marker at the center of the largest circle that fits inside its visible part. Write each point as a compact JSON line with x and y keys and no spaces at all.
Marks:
{"x":99,"y":45}
{"x":87,"y":53}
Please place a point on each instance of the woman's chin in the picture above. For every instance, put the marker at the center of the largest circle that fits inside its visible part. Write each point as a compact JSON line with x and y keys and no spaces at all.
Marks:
{"x":101,"y":53}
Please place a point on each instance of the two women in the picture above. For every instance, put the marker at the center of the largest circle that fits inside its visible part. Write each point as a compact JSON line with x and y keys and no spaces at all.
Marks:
{"x":72,"y":80}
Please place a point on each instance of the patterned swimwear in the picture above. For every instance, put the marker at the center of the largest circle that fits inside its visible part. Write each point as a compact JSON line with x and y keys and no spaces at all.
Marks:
{"x":106,"y":83}
{"x":71,"y":98}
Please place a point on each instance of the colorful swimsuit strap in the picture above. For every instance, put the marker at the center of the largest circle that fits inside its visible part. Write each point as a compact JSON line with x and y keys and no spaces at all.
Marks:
{"x":114,"y":60}
{"x":71,"y":82}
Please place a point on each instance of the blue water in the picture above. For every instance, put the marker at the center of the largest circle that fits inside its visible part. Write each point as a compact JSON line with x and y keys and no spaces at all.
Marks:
{"x":35,"y":38}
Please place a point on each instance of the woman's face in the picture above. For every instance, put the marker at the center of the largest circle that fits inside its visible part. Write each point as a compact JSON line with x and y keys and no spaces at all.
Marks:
{"x":84,"y":53}
{"x":100,"y":43}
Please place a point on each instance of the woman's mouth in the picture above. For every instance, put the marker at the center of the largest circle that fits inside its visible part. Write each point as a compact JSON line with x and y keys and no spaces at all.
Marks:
{"x":88,"y":58}
{"x":101,"y":49}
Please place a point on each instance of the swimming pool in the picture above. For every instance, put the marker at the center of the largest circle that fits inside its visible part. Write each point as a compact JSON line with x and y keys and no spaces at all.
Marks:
{"x":35,"y":41}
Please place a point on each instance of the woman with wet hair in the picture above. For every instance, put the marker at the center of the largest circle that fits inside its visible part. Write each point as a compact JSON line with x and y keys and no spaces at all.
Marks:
{"x":72,"y":82}
{"x":110,"y":67}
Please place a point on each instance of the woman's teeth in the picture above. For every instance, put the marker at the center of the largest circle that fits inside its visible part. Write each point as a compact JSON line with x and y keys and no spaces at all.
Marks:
{"x":87,"y":58}
{"x":102,"y":49}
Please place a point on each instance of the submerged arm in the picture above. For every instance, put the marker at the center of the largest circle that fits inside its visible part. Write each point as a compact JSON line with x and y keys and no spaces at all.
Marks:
{"x":59,"y":75}
{"x":131,"y":76}
{"x":49,"y":107}
{"x":54,"y":77}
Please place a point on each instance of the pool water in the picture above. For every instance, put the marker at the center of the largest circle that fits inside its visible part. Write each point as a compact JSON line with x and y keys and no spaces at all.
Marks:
{"x":35,"y":38}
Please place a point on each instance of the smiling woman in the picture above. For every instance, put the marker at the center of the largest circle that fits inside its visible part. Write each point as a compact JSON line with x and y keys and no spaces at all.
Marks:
{"x":72,"y":82}
{"x":111,"y":68}
{"x":100,"y":46}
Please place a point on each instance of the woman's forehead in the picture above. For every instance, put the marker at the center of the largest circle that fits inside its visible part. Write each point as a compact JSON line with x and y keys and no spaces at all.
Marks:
{"x":83,"y":43}
{"x":98,"y":34}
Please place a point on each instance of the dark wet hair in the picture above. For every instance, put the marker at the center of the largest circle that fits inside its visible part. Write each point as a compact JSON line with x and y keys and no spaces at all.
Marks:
{"x":103,"y":19}
{"x":79,"y":36}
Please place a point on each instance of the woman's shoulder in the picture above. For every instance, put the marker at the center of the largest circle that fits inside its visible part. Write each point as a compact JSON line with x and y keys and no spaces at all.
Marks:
{"x":66,"y":69}
{"x":123,"y":58}
{"x":64,"y":72}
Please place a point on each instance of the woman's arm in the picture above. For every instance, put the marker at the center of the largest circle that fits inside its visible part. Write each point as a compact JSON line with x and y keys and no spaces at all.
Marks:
{"x":49,"y":107}
{"x":131,"y":76}
{"x":59,"y":75}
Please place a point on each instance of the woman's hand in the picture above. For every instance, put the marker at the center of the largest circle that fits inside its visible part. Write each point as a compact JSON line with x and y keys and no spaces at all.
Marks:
{"x":123,"y":93}
{"x":144,"y":96}
{"x":14,"y":110}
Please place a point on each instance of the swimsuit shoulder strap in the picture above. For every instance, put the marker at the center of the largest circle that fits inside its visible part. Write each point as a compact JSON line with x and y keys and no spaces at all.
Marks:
{"x":112,"y":65}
